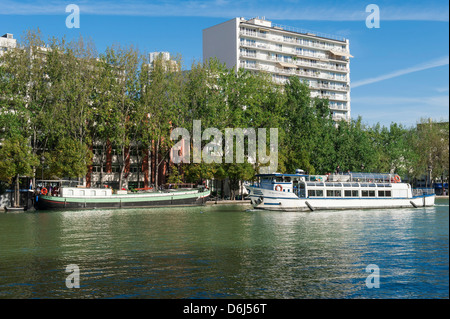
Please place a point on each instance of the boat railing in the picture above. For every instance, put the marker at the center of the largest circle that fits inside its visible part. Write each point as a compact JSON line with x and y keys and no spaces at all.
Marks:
{"x":422,"y":191}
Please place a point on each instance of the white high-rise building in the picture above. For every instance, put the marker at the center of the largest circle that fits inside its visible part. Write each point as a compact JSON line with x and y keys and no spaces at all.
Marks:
{"x":260,"y":45}
{"x":7,"y":42}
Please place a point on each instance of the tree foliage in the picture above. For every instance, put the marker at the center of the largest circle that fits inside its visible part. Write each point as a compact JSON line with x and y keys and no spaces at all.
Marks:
{"x":60,"y":98}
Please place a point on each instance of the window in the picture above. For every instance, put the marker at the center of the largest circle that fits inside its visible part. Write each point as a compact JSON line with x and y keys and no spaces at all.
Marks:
{"x":315,"y":193}
{"x":384,"y":193}
{"x":365,"y":193}
{"x":333,"y":193}
{"x":371,"y":193}
{"x":115,"y":169}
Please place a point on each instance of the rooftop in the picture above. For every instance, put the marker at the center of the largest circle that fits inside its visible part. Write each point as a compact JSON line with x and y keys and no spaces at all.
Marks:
{"x":266,"y":23}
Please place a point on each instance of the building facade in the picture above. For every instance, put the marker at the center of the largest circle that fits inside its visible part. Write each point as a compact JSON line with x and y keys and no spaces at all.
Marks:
{"x":323,"y":61}
{"x":7,"y":42}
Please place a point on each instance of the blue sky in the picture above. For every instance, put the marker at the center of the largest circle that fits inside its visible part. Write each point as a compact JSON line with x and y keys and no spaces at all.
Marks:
{"x":399,"y":73}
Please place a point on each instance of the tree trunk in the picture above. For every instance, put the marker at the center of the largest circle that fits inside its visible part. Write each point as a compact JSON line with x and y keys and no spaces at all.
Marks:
{"x":156,"y":164}
{"x":17,"y":192}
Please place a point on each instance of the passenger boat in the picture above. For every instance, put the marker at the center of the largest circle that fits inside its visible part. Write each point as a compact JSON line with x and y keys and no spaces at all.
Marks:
{"x":302,"y":192}
{"x":93,"y":198}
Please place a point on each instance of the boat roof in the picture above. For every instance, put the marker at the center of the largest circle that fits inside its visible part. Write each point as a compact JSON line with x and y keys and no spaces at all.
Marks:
{"x":353,"y":174}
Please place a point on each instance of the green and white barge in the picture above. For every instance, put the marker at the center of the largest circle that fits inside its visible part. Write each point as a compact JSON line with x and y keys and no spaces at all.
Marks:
{"x":97,"y":198}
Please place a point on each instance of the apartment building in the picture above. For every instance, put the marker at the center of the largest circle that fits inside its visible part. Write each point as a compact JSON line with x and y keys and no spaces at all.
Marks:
{"x":7,"y":42}
{"x":323,"y":61}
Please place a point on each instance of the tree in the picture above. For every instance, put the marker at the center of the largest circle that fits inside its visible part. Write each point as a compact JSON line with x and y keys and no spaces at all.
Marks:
{"x":431,"y":144}
{"x":16,"y":160}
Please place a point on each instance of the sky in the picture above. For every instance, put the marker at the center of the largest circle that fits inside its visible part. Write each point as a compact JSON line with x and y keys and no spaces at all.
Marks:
{"x":399,"y":72}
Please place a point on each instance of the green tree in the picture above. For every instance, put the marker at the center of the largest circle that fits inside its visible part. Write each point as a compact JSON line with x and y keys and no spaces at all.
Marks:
{"x":16,"y":160}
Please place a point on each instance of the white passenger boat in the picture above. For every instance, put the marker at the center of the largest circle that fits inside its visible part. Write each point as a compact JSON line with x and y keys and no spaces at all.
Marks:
{"x":302,"y":192}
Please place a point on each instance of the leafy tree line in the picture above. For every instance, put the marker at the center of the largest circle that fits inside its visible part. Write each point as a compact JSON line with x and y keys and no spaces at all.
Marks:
{"x":58,"y":99}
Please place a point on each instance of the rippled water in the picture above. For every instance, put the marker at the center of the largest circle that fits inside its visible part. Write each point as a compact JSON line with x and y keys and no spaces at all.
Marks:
{"x":225,"y":252}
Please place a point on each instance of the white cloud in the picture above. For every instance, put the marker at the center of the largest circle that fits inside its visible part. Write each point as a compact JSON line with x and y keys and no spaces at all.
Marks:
{"x":285,"y":10}
{"x":420,"y":67}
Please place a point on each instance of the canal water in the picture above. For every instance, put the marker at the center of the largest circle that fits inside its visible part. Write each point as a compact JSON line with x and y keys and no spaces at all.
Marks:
{"x":226,"y":252}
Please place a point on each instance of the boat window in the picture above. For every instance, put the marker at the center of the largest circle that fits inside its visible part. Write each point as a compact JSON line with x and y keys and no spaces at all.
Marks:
{"x":365,"y":193}
{"x":355,"y":184}
{"x":346,"y":184}
{"x":371,"y":193}
{"x":380,"y":185}
{"x":311,"y":184}
{"x":333,"y":193}
{"x":351,"y":193}
{"x":372,"y":185}
{"x":364,"y":185}
{"x":384,"y":193}
{"x":279,"y":179}
{"x":337,"y":184}
{"x":287,"y":179}
{"x":315,"y":193}
{"x":319,"y":184}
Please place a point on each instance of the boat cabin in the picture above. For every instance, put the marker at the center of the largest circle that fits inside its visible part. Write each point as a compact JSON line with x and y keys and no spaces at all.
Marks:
{"x":349,"y":185}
